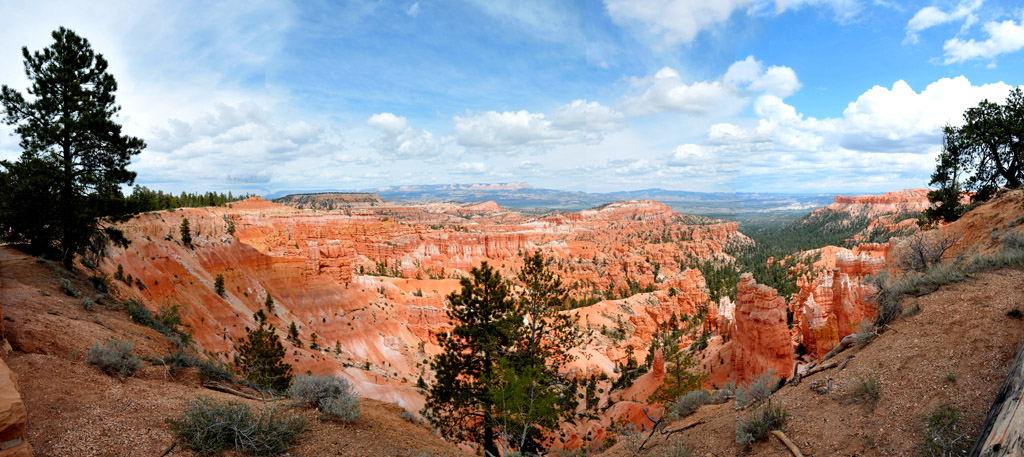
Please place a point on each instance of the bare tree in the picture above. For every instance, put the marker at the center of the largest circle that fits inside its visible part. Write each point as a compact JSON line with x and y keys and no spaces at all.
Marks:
{"x":921,"y":251}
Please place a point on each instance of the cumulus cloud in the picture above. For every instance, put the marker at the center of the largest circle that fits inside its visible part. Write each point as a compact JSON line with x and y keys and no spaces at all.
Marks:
{"x":577,"y":122}
{"x":931,"y":16}
{"x":1003,"y":37}
{"x":400,"y":140}
{"x":475,"y":167}
{"x":776,"y":80}
{"x":680,"y":21}
{"x":881,"y":120}
{"x":667,"y":91}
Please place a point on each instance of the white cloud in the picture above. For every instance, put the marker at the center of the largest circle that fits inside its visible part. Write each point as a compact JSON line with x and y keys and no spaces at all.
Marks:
{"x":751,"y":73}
{"x":413,"y":10}
{"x":400,"y":140}
{"x":589,"y":116}
{"x":931,"y":16}
{"x":577,"y":122}
{"x":1003,"y":37}
{"x":666,"y":91}
{"x":883,"y":120}
{"x":470,"y":168}
{"x":680,"y":21}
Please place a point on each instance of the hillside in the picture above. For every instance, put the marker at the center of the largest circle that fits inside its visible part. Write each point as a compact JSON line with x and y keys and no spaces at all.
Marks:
{"x":961,"y":333}
{"x":75,"y":409}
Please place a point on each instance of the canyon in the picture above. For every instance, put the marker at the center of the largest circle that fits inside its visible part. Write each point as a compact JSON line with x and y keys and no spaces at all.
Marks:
{"x":365,"y":284}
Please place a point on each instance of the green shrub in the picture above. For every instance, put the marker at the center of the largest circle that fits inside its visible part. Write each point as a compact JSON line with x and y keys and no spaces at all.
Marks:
{"x":723,"y":394}
{"x":115,"y":357}
{"x":757,"y":425}
{"x":100,"y":282}
{"x":757,"y":390}
{"x":408,"y":417}
{"x":87,"y":303}
{"x":165,"y":321}
{"x":68,"y":289}
{"x":865,"y":389}
{"x":687,"y":404}
{"x":209,"y":427}
{"x":942,"y":436}
{"x":331,"y":395}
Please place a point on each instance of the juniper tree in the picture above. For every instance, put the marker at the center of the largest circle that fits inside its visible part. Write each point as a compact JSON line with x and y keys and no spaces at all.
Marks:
{"x":74,"y":156}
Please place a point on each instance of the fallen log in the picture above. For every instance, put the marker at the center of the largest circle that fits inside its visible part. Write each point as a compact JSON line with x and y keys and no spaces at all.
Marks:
{"x":844,"y":343}
{"x":213,"y":385}
{"x":789,"y":444}
{"x":1002,"y":433}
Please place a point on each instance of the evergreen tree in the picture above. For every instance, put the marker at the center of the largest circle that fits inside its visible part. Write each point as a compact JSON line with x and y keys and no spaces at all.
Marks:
{"x":261,"y":357}
{"x":530,"y":394}
{"x":981,"y":156}
{"x":218,"y":285}
{"x":460,"y":402}
{"x":293,"y":335}
{"x":680,"y":374}
{"x":186,"y":234}
{"x":74,"y":156}
{"x":269,"y":304}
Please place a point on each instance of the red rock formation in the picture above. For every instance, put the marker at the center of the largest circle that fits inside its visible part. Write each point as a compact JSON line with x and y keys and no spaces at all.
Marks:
{"x":13,"y":416}
{"x":758,"y":338}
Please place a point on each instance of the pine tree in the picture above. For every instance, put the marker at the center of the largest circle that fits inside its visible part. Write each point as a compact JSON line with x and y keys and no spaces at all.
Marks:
{"x":269,"y":304}
{"x":293,"y":335}
{"x":186,"y":234}
{"x":261,"y":357}
{"x":74,"y":156}
{"x":218,"y":285}
{"x":459,"y":402}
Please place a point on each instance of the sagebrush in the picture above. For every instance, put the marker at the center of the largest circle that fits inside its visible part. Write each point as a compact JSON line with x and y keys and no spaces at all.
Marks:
{"x":209,"y":427}
{"x":115,"y":357}
{"x":331,"y":395}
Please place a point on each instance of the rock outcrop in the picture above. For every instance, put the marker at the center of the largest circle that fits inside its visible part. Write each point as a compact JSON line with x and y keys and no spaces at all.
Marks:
{"x":757,"y":336}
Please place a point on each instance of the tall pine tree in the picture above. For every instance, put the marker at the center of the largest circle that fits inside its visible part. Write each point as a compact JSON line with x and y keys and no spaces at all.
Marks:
{"x":460,"y":402}
{"x":74,"y":155}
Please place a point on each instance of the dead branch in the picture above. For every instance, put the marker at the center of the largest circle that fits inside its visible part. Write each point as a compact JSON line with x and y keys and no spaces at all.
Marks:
{"x":843,"y":365}
{"x":789,"y":444}
{"x":660,"y":424}
{"x":213,"y":385}
{"x":846,"y":342}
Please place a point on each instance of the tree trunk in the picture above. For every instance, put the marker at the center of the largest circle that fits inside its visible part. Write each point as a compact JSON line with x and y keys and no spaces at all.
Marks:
{"x":489,"y":445}
{"x":1002,"y":433}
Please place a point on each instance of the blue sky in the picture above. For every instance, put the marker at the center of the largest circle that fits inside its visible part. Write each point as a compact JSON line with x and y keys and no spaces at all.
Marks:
{"x":832,"y":96}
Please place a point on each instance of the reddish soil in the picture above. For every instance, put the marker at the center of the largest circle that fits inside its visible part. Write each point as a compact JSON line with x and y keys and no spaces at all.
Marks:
{"x":962,"y":331}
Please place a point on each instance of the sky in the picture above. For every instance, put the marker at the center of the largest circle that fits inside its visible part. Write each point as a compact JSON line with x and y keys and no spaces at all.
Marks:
{"x":794,"y":96}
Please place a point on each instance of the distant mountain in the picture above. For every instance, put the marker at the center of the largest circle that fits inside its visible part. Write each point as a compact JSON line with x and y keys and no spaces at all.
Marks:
{"x":522,"y":195}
